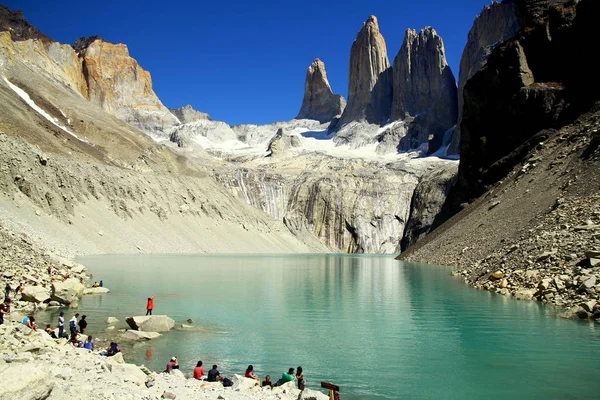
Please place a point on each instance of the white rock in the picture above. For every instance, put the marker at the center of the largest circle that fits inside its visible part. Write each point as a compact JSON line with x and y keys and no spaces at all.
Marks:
{"x":35,"y":294}
{"x":111,"y":320}
{"x":151,"y":323}
{"x":95,"y":290}
{"x":140,"y":335}
{"x":25,"y":381}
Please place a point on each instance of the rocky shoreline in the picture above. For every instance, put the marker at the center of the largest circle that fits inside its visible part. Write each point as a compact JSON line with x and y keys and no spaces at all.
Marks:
{"x":35,"y":366}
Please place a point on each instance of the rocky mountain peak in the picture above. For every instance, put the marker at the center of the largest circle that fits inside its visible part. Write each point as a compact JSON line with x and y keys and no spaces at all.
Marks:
{"x":83,"y":42}
{"x":319,"y":102}
{"x":188,"y":113}
{"x":19,"y":28}
{"x":424,"y":85}
{"x":370,"y":83}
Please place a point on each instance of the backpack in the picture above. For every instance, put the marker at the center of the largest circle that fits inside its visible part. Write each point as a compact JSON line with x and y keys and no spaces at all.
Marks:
{"x":227,"y":382}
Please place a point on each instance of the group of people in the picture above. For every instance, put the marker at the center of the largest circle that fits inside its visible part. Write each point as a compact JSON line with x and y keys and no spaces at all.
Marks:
{"x":98,"y":284}
{"x":214,"y":375}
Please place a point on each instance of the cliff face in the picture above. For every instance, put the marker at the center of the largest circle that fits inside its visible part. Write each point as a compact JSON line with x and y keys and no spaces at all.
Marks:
{"x":370,"y":80}
{"x":531,"y":84}
{"x":319,"y":102}
{"x":424,"y":87}
{"x":495,"y":24}
{"x":120,"y":86}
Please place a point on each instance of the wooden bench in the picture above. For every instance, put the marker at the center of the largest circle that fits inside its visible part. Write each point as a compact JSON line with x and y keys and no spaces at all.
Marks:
{"x":333,"y":389}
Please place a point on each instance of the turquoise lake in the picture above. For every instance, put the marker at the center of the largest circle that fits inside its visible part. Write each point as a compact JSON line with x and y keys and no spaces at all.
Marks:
{"x":379,"y":328}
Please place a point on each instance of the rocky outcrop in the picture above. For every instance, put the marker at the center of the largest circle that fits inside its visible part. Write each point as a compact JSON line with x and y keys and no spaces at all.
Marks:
{"x":122,"y":87}
{"x":423,"y":86}
{"x":370,"y":80}
{"x":281,"y":143}
{"x":35,"y":294}
{"x":187,"y":114}
{"x":495,"y":24}
{"x":319,"y":102}
{"x":67,"y":291}
{"x":15,"y":23}
{"x":140,"y":335}
{"x":151,"y":323}
{"x":203,"y":133}
{"x":539,"y":80}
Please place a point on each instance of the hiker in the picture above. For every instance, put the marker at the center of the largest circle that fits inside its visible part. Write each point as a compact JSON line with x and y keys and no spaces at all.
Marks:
{"x":150,"y":305}
{"x":7,"y":290}
{"x":199,"y":371}
{"x":285,"y":377}
{"x":89,"y":343}
{"x":214,"y":375}
{"x":4,"y":309}
{"x":29,"y":322}
{"x":172,"y":364}
{"x":267,"y":382}
{"x":61,"y":325}
{"x":250,"y":374}
{"x":18,"y":289}
{"x":73,"y":324}
{"x":300,"y":378}
{"x":50,"y":331}
{"x":82,"y":324}
{"x":112,"y":349}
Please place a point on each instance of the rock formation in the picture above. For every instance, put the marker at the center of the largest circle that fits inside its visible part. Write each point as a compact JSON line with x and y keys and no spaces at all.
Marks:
{"x":120,"y":86}
{"x":280,"y":144}
{"x":424,"y":86}
{"x":17,"y":25}
{"x":495,"y":24}
{"x":531,"y":84}
{"x":370,"y":78}
{"x":187,"y":114}
{"x":319,"y":102}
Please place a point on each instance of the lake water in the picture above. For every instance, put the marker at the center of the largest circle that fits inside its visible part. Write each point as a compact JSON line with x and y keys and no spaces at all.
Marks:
{"x":378,"y":328}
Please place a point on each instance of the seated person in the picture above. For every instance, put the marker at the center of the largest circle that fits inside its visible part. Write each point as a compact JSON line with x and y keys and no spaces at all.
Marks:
{"x":95,"y":284}
{"x":172,"y":364}
{"x":50,"y":331}
{"x":112,"y":349}
{"x":89,"y":343}
{"x":29,"y":321}
{"x":286,"y":377}
{"x":214,"y":375}
{"x":267,"y":381}
{"x":76,"y":340}
{"x":199,"y":371}
{"x":250,"y":374}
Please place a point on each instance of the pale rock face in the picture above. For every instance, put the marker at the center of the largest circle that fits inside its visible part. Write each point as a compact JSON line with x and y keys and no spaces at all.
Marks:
{"x":424,"y":86}
{"x":319,"y":102}
{"x":370,"y":80}
{"x":495,"y":24}
{"x":25,"y":381}
{"x":187,"y":114}
{"x":202,"y":132}
{"x":120,"y":86}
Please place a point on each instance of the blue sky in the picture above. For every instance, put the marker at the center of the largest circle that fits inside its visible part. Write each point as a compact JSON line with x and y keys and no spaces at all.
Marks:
{"x":245,"y":61}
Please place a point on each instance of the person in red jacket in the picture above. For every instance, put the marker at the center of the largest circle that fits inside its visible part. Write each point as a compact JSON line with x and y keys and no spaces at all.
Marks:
{"x":150,"y":305}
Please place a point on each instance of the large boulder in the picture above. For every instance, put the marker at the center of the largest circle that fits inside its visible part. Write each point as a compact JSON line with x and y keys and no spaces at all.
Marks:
{"x":241,"y":383}
{"x":140,"y":335}
{"x":128,"y":373}
{"x":96,"y":290}
{"x":67,"y":291}
{"x":35,"y":294}
{"x":151,"y":323}
{"x":25,"y":381}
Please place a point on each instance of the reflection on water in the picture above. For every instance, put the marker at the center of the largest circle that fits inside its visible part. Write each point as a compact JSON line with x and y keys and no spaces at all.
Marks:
{"x":376,"y":327}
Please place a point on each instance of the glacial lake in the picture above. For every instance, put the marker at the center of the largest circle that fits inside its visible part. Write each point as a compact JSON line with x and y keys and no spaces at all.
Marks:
{"x":379,"y":328}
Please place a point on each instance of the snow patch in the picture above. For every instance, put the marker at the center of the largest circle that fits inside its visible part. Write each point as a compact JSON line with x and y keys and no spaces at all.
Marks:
{"x":23,"y":94}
